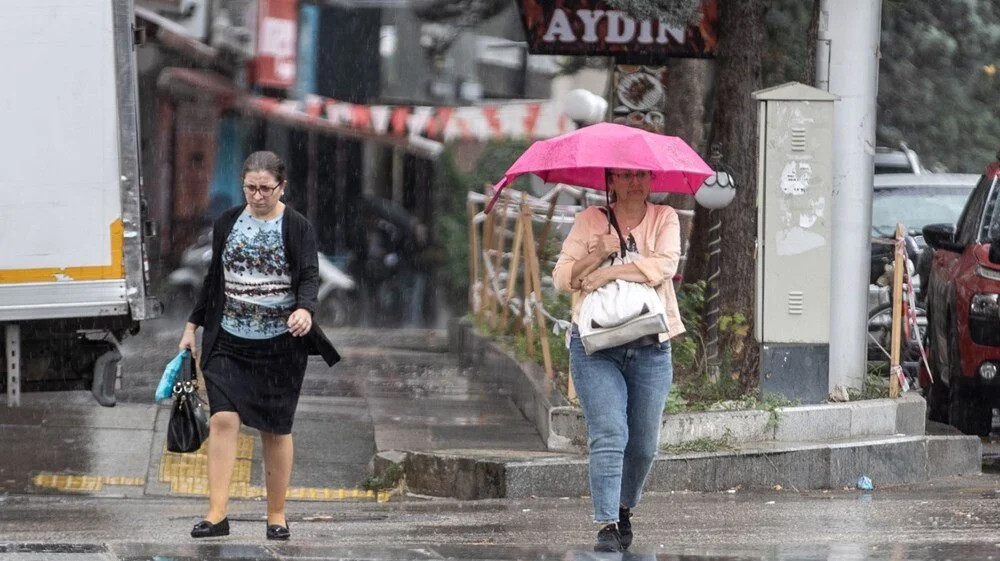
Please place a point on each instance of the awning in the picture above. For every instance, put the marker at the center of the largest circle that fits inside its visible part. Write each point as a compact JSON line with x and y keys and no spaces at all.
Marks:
{"x":173,"y":36}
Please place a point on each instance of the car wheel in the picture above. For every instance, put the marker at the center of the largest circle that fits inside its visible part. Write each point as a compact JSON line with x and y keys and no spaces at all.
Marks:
{"x":936,"y":393}
{"x":968,"y":413}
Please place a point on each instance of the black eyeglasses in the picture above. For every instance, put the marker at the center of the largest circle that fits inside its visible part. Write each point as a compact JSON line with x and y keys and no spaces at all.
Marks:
{"x":630,"y":175}
{"x":264,"y":190}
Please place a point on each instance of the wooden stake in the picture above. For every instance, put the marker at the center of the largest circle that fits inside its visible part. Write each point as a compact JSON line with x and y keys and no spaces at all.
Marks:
{"x":470,"y":210}
{"x":543,"y":247}
{"x":484,"y":298}
{"x":514,"y":262}
{"x":500,"y":244}
{"x":897,"y":311}
{"x":526,"y":282}
{"x":536,"y":282}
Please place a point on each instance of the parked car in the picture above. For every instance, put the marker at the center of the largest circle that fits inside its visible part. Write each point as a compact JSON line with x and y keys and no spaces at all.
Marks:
{"x":963,"y":299}
{"x":914,"y":200}
{"x":901,"y":160}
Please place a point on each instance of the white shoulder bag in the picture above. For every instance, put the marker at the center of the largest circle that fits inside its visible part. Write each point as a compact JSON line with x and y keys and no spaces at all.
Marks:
{"x":620,"y":311}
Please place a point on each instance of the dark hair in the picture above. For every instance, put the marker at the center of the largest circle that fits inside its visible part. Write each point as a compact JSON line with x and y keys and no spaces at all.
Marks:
{"x":264,"y":160}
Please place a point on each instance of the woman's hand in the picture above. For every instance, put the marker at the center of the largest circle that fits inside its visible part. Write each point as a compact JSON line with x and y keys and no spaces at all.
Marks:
{"x":605,"y":244}
{"x":188,"y":340}
{"x":596,"y":279}
{"x":300,"y":322}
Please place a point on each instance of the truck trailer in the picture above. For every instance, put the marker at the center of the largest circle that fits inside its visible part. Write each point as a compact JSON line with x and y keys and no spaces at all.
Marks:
{"x":74,"y":275}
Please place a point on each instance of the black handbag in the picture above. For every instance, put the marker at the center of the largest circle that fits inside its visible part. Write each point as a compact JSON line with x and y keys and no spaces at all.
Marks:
{"x":188,"y":426}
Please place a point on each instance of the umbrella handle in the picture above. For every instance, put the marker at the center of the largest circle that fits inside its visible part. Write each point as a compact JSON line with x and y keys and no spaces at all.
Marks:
{"x":499,"y":187}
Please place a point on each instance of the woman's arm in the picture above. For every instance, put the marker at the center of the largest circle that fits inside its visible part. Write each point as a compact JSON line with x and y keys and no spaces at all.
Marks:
{"x":653,"y":269}
{"x":583,"y":251}
{"x":661,"y":263}
{"x":307,"y":292}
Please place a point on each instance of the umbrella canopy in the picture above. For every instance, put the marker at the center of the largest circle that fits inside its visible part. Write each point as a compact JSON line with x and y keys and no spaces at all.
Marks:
{"x":580,"y":158}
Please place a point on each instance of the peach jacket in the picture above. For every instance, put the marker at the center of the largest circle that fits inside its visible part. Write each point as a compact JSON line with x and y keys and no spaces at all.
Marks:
{"x":658,"y":239}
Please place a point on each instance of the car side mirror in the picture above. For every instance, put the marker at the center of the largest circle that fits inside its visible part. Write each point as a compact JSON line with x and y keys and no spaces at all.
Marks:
{"x":995,"y":251}
{"x":942,"y":236}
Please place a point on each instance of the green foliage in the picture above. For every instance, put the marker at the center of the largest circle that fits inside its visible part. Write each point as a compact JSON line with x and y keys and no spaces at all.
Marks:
{"x":452,"y":221}
{"x":874,"y":386}
{"x":786,"y":58}
{"x":936,"y":91}
{"x":701,"y":445}
{"x":689,"y":348}
{"x":389,"y":479}
{"x":700,"y":394}
{"x":938,"y":75}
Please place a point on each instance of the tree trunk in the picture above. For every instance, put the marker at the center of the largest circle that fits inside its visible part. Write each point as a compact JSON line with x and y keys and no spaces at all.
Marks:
{"x":741,"y":47}
{"x":687,"y":90}
{"x":809,"y":70}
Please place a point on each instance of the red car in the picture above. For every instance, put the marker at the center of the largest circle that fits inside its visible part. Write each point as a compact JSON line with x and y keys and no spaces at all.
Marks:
{"x":963,"y":306}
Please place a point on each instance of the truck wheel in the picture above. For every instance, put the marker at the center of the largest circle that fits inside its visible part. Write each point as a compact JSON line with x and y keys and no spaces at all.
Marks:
{"x":105,"y":376}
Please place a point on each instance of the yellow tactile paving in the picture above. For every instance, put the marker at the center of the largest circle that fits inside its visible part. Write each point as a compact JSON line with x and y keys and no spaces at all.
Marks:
{"x":86,"y":483}
{"x":187,"y":474}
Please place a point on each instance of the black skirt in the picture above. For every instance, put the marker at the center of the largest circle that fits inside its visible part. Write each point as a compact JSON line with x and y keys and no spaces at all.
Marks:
{"x":259,"y":379}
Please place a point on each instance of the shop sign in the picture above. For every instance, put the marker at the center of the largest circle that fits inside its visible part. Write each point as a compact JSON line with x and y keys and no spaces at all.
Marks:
{"x":592,"y":28}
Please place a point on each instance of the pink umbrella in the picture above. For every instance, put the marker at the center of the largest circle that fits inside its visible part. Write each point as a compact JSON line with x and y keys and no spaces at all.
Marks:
{"x":580,"y":158}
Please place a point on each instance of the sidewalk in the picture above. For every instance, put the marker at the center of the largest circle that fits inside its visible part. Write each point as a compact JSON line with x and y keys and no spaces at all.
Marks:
{"x":806,"y":447}
{"x":393,"y":390}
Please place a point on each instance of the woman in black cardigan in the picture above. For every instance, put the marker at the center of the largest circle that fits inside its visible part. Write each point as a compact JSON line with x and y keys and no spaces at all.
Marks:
{"x":256,"y":306}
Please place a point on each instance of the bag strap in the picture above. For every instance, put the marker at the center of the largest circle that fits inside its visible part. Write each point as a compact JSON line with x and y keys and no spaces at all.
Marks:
{"x":189,"y":373}
{"x":613,"y":223}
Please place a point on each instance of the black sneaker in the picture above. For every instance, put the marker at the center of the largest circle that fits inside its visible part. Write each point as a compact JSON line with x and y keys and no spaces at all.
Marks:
{"x":625,"y":526}
{"x":608,"y":539}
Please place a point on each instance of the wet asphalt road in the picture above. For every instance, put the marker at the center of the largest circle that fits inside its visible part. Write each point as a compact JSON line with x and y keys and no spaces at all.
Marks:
{"x":949,"y":519}
{"x":378,"y":397}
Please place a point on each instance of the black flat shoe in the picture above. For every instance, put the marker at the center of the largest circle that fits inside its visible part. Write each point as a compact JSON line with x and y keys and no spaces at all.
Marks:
{"x":608,"y":539}
{"x":206,"y":529}
{"x":278,"y":532}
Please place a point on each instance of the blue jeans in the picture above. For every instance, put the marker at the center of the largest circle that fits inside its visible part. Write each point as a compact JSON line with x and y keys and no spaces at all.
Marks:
{"x":623,"y":392}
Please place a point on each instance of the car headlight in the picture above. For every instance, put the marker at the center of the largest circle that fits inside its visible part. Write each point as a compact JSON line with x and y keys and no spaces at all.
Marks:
{"x":985,"y":306}
{"x":988,"y":371}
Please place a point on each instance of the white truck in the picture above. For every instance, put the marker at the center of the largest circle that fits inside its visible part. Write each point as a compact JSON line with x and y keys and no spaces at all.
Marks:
{"x":73,"y":269}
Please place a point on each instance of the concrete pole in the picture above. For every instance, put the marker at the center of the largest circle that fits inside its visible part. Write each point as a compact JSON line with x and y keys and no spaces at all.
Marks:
{"x":847,"y":64}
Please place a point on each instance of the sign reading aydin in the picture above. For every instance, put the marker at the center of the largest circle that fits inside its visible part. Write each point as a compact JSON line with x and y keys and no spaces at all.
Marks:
{"x":591,"y":27}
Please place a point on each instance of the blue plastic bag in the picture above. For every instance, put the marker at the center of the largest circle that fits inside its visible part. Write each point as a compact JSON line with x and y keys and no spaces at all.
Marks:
{"x":166,"y":388}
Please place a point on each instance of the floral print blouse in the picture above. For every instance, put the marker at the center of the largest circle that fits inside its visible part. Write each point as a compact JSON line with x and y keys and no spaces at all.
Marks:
{"x":259,"y":295}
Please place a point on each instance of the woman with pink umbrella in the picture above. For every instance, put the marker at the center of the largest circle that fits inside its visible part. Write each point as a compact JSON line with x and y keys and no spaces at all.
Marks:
{"x":622,"y":388}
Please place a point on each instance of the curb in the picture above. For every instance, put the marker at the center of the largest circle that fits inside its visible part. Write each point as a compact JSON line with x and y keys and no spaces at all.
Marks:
{"x":563,"y":428}
{"x":474,"y":475}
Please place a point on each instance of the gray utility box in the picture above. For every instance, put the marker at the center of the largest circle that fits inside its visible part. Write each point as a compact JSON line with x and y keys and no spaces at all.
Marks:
{"x":795,"y":191}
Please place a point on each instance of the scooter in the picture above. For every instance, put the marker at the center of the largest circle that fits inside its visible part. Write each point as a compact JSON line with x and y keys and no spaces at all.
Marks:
{"x":184,"y":283}
{"x":335,"y":288}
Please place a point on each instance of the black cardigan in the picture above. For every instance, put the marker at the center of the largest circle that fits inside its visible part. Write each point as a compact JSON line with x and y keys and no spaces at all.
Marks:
{"x":300,"y":252}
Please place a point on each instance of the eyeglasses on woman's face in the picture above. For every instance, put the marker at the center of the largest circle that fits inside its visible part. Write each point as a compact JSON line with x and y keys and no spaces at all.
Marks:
{"x":263,"y":190}
{"x":641,"y":175}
